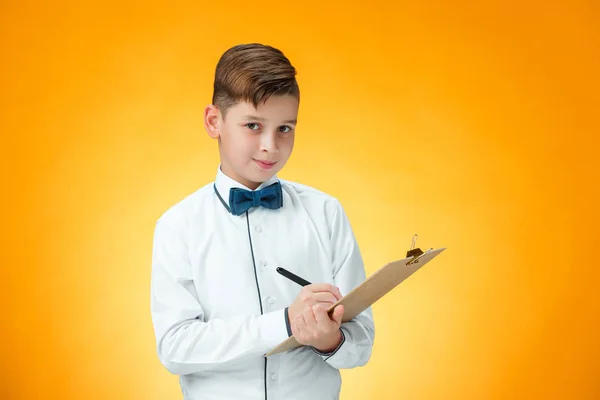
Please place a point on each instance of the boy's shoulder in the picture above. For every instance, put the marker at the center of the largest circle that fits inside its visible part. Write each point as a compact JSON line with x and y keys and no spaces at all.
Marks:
{"x":305,"y":189}
{"x":310,"y":194}
{"x":188,"y":205}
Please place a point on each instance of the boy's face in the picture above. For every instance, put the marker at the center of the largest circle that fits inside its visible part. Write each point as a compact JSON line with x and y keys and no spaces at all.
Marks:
{"x":254,"y":143}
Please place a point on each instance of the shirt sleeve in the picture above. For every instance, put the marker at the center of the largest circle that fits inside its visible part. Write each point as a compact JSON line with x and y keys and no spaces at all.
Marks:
{"x":185,"y":342}
{"x":358,"y":334}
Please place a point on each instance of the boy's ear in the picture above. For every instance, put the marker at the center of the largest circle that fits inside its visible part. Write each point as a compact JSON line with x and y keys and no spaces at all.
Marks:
{"x":212,"y":121}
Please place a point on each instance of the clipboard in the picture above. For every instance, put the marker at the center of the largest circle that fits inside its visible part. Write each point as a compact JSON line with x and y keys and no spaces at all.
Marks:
{"x":373,"y":288}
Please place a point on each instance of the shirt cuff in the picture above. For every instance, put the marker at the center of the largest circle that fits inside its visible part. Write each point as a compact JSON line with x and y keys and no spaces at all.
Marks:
{"x":328,"y":355}
{"x":287,"y":322}
{"x":271,"y":330}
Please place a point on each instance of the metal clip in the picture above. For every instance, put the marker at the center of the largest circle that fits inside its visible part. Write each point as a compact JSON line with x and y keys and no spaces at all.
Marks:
{"x":414,"y":252}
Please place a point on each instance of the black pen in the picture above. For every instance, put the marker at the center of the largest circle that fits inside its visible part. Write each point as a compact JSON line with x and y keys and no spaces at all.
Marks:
{"x":293,"y":277}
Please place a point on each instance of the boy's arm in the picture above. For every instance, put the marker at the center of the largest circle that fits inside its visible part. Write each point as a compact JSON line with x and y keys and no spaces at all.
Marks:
{"x":348,"y":272}
{"x":185,"y":343}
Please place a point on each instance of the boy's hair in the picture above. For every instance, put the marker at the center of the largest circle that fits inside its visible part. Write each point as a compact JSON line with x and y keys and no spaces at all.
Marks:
{"x":253,"y":73}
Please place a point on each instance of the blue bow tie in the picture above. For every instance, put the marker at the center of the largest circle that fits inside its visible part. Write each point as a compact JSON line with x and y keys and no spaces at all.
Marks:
{"x":241,"y":200}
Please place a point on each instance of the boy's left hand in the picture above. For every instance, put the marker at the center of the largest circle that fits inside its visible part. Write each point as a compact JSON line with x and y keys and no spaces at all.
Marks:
{"x":313,"y":327}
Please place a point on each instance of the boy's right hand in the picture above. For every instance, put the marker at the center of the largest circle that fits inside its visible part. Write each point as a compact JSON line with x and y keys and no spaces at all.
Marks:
{"x":316,"y":293}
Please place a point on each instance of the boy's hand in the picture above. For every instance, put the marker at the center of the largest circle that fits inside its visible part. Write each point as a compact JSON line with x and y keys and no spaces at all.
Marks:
{"x":315,"y":328}
{"x":316,"y":293}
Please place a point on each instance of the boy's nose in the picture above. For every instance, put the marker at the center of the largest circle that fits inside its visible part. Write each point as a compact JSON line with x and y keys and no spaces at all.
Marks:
{"x":268,"y":142}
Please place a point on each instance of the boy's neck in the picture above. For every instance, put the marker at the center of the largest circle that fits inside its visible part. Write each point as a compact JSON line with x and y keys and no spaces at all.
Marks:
{"x":246,"y":184}
{"x":243,"y":183}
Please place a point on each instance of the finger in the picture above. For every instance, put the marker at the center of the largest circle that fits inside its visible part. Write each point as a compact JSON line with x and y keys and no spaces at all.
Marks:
{"x":336,"y":292}
{"x":325,"y":297}
{"x":324,"y":287}
{"x":320,"y":287}
{"x":339,"y":293}
{"x":338,"y":314}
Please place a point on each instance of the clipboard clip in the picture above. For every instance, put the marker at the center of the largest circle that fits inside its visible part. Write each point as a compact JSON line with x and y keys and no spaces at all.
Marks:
{"x":415,"y":252}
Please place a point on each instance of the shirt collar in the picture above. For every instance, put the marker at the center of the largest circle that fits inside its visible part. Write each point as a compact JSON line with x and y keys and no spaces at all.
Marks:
{"x":225,"y":183}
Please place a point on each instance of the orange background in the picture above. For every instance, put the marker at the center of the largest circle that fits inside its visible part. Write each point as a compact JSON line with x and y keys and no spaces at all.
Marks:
{"x":475,"y":126}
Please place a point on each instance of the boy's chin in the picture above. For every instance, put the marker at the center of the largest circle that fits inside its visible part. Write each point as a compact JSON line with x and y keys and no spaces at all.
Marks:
{"x":259,"y":176}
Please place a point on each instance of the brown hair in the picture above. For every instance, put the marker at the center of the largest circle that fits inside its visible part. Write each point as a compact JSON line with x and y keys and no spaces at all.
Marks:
{"x":253,"y":73}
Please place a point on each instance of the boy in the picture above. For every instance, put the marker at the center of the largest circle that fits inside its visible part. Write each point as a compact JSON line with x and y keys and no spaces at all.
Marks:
{"x":218,"y":304}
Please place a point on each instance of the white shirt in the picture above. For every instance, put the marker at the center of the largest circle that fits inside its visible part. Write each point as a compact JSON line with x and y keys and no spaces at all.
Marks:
{"x":208,"y":266}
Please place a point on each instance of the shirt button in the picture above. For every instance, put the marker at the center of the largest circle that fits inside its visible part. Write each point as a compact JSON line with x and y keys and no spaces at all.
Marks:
{"x":258,"y":229}
{"x":264,"y":263}
{"x":273,"y":376}
{"x":270,"y":300}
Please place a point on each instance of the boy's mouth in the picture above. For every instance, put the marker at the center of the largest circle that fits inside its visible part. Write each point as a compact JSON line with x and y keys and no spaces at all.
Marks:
{"x":264,"y":164}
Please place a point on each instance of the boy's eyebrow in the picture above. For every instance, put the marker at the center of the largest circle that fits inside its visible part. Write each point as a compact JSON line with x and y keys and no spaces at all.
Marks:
{"x":257,"y":118}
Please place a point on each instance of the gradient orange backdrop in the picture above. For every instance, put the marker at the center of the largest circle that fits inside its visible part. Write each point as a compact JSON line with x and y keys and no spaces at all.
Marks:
{"x":473,"y":125}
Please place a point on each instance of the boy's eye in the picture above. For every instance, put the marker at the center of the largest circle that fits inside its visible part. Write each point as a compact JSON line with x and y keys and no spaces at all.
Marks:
{"x":285,"y":129}
{"x":252,"y":125}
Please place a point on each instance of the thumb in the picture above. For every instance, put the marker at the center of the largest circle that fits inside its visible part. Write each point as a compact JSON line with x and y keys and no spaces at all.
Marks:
{"x":338,"y":314}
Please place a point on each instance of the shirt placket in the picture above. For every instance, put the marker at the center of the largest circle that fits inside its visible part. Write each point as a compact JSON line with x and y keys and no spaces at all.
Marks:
{"x":269,"y":297}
